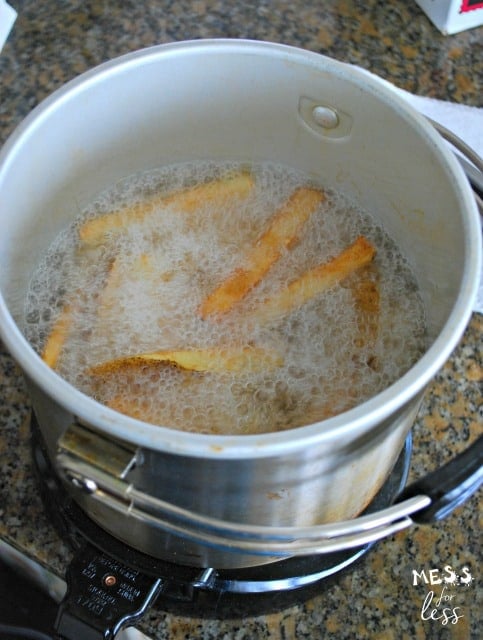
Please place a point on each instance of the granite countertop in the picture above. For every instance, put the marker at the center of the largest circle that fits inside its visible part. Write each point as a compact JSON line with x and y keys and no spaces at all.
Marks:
{"x":53,"y":42}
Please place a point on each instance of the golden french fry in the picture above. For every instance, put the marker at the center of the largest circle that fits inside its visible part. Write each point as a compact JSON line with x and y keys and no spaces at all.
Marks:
{"x":141,"y":408}
{"x":57,"y":337}
{"x":130,"y":407}
{"x":216,"y":360}
{"x":134,"y":407}
{"x":366,"y":295}
{"x":93,"y":230}
{"x":315,"y":281}
{"x":282,"y":231}
{"x":364,"y":288}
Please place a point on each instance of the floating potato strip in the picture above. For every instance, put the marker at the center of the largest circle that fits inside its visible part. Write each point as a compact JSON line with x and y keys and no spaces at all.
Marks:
{"x":366,"y":296}
{"x":62,"y":326}
{"x":364,"y":288}
{"x":212,"y":360}
{"x":57,"y":337}
{"x":93,"y":230}
{"x":142,"y":409}
{"x":281,"y":233}
{"x":315,"y":281}
{"x":133,"y":407}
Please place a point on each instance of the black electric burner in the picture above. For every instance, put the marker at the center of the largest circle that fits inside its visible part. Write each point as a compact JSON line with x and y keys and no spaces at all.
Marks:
{"x":179,"y":589}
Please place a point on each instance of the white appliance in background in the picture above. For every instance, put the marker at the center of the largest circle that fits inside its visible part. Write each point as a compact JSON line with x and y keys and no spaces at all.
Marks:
{"x":452,"y":16}
{"x":8,"y":15}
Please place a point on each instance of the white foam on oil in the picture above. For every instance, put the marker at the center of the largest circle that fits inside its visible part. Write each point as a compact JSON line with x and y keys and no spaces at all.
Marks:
{"x":139,"y":291}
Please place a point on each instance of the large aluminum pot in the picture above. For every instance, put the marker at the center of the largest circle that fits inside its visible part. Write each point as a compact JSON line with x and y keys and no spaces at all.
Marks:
{"x":246,"y":101}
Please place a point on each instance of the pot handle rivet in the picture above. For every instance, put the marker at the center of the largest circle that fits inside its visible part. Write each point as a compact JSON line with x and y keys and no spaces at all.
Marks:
{"x":325,"y":117}
{"x":84,"y":484}
{"x":325,"y":120}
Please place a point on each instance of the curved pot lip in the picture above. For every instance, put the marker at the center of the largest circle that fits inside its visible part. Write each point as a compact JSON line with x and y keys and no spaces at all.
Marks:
{"x":349,"y":424}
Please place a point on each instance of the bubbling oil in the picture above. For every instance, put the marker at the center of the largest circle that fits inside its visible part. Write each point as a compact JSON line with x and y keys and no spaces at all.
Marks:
{"x":139,"y":290}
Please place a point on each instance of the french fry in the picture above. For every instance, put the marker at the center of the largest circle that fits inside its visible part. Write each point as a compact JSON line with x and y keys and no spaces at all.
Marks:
{"x":364,"y":288}
{"x":129,"y":406}
{"x":315,"y":281}
{"x":213,"y":360}
{"x":134,"y":407}
{"x":282,"y":232}
{"x":141,"y":408}
{"x":57,"y":337}
{"x":367,"y":298}
{"x":92,"y":232}
{"x":366,"y":295}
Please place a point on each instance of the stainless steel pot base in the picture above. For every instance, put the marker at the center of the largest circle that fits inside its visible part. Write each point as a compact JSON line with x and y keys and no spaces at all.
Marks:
{"x":202,"y":592}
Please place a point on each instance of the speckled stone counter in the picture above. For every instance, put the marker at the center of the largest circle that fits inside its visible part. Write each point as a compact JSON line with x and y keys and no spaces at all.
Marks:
{"x":51,"y":43}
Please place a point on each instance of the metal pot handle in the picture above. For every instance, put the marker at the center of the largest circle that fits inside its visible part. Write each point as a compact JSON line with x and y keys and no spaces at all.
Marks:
{"x":450,"y":486}
{"x":427,"y":500}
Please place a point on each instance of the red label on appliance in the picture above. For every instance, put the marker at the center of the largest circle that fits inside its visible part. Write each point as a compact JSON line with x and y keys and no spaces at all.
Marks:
{"x":471,"y":5}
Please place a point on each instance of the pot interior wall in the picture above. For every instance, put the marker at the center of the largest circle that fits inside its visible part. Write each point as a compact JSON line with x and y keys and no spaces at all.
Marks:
{"x":222,"y":103}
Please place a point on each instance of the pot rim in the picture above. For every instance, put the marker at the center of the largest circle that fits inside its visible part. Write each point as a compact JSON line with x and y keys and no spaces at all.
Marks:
{"x":350,"y":423}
